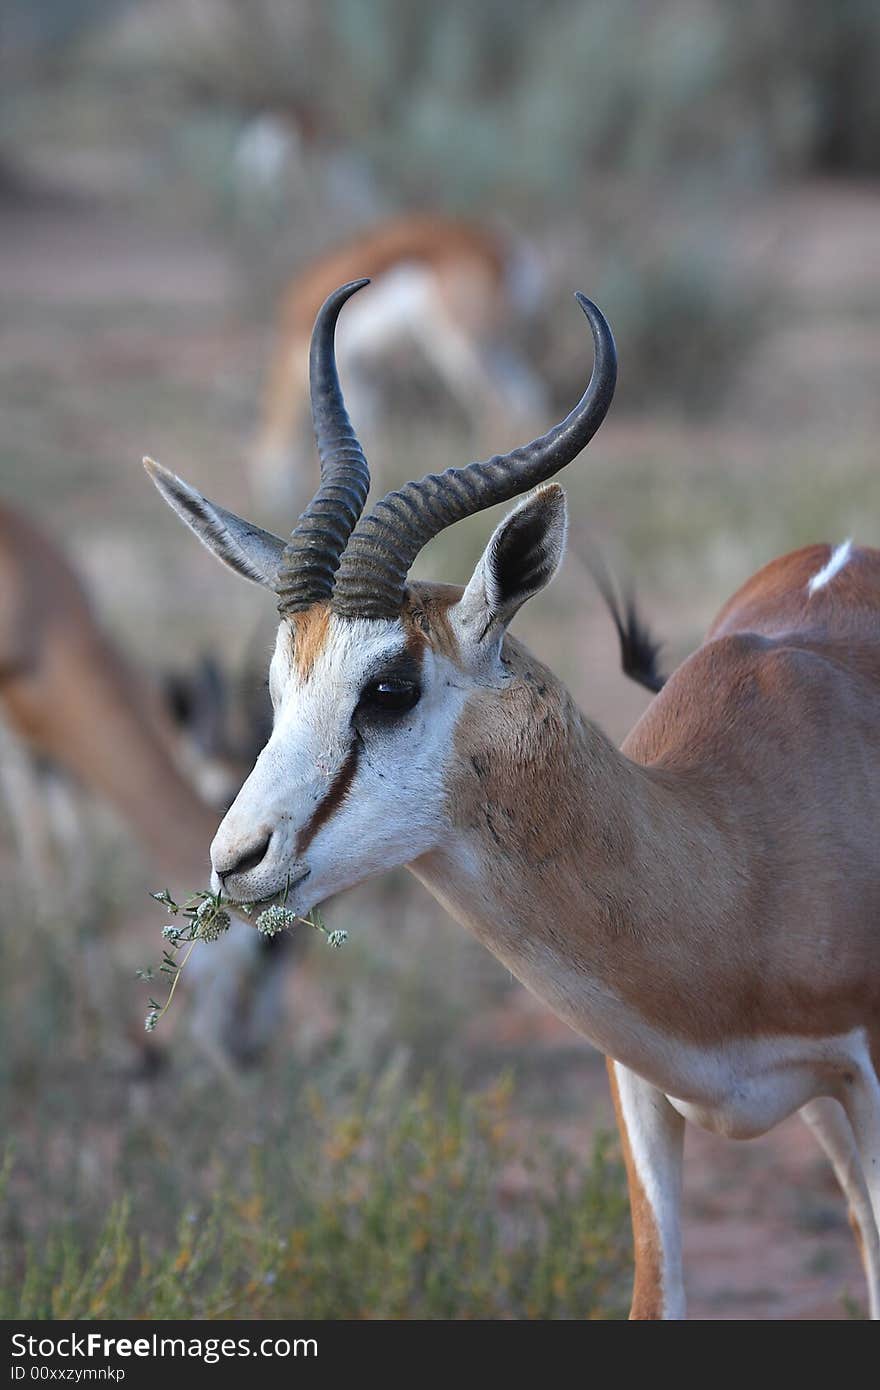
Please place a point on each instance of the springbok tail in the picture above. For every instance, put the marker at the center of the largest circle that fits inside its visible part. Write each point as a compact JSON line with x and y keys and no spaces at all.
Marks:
{"x":639,"y":649}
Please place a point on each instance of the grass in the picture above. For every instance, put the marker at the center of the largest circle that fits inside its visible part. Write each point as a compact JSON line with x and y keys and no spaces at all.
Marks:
{"x":377,"y":1171}
{"x":404,"y":1203}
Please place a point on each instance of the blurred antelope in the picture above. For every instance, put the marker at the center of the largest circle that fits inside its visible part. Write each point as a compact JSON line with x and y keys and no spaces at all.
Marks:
{"x":71,"y":705}
{"x":446,"y":290}
{"x":703,"y":905}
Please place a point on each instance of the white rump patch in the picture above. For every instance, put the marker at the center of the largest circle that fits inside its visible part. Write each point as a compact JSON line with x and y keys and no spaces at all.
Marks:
{"x":838,"y":559}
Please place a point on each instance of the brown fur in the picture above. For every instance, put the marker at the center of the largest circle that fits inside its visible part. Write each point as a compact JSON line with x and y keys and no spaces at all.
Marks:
{"x":719,"y":874}
{"x":856,"y":1228}
{"x":425,"y":618}
{"x":776,"y":602}
{"x":469,"y":264}
{"x":66,"y":691}
{"x":425,"y":239}
{"x":309,"y":636}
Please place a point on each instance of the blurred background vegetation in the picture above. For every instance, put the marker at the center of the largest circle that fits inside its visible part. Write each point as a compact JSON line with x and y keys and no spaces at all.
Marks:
{"x":708,"y":173}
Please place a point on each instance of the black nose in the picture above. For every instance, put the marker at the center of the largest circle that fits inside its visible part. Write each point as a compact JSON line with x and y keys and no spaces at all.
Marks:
{"x":249,"y":859}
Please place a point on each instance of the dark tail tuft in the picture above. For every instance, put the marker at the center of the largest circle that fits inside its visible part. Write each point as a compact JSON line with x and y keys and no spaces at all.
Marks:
{"x":639,"y":650}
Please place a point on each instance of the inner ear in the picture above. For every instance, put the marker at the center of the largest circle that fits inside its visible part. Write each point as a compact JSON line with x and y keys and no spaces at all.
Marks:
{"x":520,"y":559}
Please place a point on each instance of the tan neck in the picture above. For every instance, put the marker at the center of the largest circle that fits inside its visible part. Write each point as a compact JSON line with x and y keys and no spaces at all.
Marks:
{"x":593,"y":879}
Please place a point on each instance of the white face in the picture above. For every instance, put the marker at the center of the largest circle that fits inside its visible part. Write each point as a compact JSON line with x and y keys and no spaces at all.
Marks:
{"x":354,"y":778}
{"x":351,"y":782}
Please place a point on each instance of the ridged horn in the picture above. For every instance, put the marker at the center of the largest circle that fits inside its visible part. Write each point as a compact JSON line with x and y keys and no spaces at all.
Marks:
{"x":311,"y":557}
{"x":371,"y":578}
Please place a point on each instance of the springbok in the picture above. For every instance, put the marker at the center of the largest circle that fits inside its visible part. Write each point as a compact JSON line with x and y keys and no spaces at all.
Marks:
{"x":445,"y":289}
{"x":701,"y":905}
{"x":70,"y":700}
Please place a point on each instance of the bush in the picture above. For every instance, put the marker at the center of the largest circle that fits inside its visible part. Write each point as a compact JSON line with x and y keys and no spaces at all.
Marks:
{"x":400,"y":1206}
{"x":503,"y":103}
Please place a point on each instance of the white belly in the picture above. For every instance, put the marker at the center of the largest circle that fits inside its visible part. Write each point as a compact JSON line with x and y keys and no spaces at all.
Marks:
{"x":739,"y":1088}
{"x":746,"y":1087}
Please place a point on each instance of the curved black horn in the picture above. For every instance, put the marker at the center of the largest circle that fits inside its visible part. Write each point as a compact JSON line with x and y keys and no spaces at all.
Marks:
{"x":372,"y":576}
{"x":312,"y":554}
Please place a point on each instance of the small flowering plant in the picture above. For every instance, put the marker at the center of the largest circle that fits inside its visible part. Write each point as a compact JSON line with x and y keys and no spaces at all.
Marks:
{"x":278,"y":918}
{"x":204,"y":917}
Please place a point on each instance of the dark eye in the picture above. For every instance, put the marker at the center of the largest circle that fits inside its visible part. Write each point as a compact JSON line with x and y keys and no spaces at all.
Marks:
{"x":390,"y":695}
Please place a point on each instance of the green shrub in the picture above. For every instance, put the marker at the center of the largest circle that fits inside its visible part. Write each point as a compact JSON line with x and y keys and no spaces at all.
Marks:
{"x":417,"y":1205}
{"x":508,"y":102}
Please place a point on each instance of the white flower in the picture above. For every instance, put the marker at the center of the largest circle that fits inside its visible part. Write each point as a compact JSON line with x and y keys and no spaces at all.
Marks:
{"x":274,"y":920}
{"x":212,"y":925}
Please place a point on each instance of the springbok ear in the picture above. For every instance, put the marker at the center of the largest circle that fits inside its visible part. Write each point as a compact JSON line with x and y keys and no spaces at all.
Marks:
{"x":521,"y":558}
{"x":251,"y":552}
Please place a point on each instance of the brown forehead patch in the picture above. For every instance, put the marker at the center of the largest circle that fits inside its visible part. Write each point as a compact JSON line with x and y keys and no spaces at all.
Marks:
{"x":309,"y":635}
{"x":425,"y":618}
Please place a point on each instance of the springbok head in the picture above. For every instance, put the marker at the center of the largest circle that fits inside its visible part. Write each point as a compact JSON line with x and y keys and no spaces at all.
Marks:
{"x":371,"y":676}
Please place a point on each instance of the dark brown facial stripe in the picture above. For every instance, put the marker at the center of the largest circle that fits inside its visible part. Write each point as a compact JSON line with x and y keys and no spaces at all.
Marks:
{"x":324,"y":810}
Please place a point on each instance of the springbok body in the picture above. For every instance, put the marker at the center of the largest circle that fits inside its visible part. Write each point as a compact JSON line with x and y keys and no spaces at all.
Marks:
{"x":701,"y":905}
{"x":69,"y":696}
{"x":70,"y":700}
{"x":443,"y":290}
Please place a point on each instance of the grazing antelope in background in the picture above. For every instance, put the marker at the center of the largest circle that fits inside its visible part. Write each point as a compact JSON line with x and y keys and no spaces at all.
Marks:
{"x":702,"y":905}
{"x":70,"y":700}
{"x":222,"y":723}
{"x":445,"y":289}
